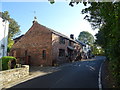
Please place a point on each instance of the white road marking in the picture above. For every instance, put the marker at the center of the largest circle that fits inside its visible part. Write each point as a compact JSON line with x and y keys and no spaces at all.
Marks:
{"x":92,"y":68}
{"x":99,"y":78}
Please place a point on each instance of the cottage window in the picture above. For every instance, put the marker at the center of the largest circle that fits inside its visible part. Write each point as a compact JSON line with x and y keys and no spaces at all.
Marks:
{"x":70,"y":43}
{"x":61,"y":40}
{"x":25,"y":52}
{"x":61,"y":53}
{"x":44,"y":54}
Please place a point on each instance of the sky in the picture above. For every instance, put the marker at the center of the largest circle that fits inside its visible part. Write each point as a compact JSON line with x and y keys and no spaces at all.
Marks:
{"x":58,"y":16}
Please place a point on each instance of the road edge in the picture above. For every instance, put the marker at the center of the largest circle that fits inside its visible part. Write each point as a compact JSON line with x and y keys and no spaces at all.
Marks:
{"x":99,"y":78}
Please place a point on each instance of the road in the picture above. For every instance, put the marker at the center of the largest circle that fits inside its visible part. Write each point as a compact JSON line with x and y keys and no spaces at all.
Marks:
{"x":80,"y":74}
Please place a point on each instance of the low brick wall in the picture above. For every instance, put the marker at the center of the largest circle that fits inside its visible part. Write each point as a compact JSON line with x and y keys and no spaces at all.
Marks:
{"x":8,"y":76}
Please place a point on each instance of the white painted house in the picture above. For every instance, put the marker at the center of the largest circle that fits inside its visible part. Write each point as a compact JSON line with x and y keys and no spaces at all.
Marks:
{"x":4,"y":25}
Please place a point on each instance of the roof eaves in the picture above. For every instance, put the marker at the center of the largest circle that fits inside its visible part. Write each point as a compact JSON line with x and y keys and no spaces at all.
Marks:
{"x":18,"y":37}
{"x":58,"y":33}
{"x":83,"y":44}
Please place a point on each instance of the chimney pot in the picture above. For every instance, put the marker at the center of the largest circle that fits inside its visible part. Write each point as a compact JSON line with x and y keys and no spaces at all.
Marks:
{"x":72,"y":36}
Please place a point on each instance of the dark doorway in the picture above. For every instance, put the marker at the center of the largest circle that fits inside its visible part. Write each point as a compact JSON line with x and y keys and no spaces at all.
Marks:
{"x":70,"y":53}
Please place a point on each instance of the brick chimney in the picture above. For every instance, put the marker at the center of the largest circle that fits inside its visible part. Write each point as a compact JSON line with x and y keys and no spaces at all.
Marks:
{"x":72,"y":36}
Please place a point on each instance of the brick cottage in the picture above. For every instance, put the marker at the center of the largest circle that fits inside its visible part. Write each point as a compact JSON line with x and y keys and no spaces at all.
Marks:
{"x":44,"y":46}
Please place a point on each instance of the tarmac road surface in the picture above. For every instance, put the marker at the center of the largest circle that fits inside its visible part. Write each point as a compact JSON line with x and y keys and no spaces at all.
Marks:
{"x":80,"y":74}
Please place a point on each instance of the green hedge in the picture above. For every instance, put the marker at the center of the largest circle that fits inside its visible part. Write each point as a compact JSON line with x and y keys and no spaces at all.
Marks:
{"x":5,"y":61}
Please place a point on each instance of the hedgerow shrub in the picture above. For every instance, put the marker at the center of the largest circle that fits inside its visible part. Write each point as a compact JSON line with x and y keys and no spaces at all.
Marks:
{"x":5,"y":61}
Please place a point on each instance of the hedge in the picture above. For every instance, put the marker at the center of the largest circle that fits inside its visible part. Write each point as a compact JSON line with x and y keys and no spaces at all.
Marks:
{"x":5,"y":61}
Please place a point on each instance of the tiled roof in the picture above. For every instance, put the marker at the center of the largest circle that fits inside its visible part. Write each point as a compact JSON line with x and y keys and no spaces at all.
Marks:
{"x":18,"y":37}
{"x":83,"y":44}
{"x":58,"y":33}
{"x":53,"y":31}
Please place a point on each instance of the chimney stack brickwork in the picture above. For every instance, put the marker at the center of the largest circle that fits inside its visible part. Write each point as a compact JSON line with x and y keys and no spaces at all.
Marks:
{"x":72,"y":36}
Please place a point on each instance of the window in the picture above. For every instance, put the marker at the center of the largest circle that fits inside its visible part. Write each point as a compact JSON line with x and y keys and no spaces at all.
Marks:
{"x":61,"y":53}
{"x":25,"y":52}
{"x":44,"y":54}
{"x":61,"y":40}
{"x":70,"y":43}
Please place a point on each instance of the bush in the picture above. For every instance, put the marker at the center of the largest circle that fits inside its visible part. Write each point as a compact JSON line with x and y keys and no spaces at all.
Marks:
{"x":5,"y":61}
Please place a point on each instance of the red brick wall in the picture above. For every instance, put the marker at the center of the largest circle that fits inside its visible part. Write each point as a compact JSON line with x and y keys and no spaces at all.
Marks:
{"x":56,"y":46}
{"x":55,"y":49}
{"x":37,"y":39}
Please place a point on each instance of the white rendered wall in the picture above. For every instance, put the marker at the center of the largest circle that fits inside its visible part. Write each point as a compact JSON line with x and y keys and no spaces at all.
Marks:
{"x":4,"y":25}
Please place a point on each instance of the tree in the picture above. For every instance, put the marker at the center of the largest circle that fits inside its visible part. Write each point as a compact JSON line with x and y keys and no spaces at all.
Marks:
{"x":52,"y":1}
{"x":86,"y":37}
{"x":97,"y":50}
{"x":14,"y":28}
{"x":106,"y":17}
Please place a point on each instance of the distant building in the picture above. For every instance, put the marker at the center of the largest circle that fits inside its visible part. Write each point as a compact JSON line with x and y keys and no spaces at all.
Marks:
{"x":44,"y":46}
{"x":4,"y":26}
{"x":85,"y":51}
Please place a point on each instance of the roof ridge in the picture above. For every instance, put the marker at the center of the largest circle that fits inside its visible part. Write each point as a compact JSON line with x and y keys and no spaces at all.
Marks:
{"x":56,"y":32}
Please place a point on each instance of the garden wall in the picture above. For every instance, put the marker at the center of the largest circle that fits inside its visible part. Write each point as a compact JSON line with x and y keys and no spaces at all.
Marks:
{"x":8,"y":76}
